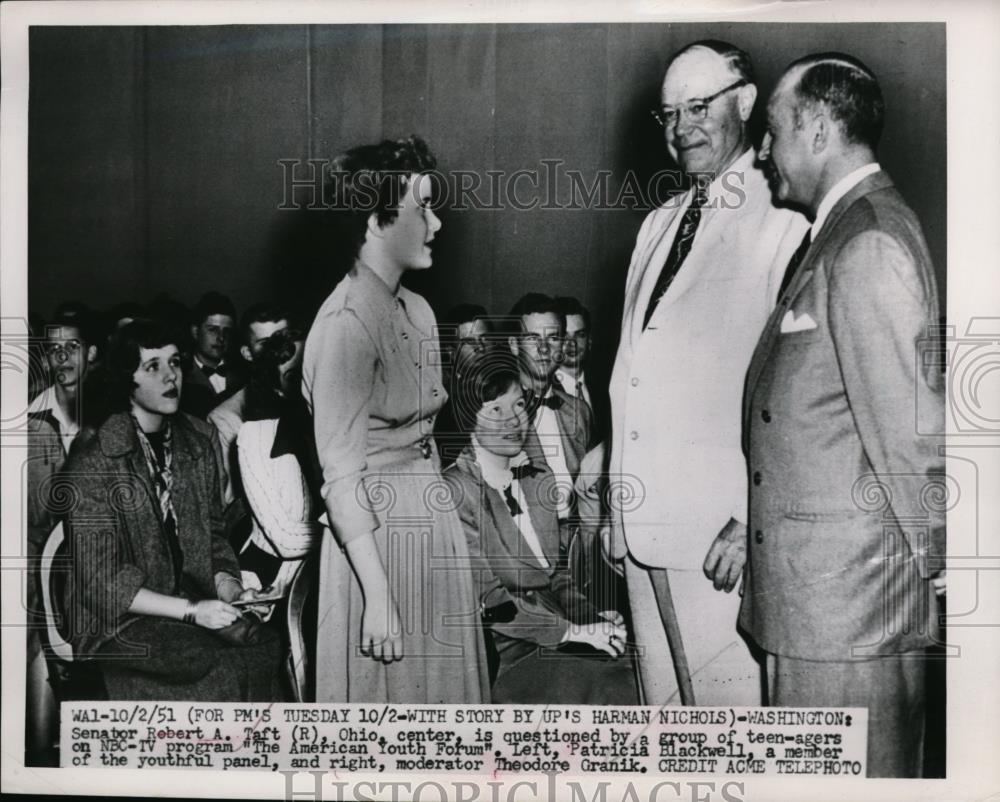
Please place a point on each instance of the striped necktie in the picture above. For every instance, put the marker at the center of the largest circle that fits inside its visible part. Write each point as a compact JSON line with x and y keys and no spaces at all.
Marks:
{"x":679,"y":250}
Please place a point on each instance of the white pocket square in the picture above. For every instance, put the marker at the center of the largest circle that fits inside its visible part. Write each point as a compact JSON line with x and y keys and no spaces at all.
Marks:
{"x":790,"y":323}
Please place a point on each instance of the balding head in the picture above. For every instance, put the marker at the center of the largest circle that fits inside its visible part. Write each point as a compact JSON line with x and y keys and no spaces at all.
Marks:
{"x":706,"y":137}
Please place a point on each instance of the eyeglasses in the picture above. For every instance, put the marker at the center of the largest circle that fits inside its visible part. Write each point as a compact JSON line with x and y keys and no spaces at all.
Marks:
{"x":64,"y":348}
{"x":696,"y":108}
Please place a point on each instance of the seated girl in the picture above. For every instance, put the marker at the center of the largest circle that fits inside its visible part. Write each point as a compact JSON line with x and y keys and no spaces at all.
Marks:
{"x":154,"y":596}
{"x":553,"y":645}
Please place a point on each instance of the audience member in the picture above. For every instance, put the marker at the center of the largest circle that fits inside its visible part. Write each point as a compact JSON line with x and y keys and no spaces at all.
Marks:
{"x":208,"y":379}
{"x":278,"y":465}
{"x":153,"y":583}
{"x":554,"y":647}
{"x":259,"y":322}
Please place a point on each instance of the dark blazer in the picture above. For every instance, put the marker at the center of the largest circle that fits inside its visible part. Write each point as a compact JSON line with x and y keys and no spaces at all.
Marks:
{"x":842,"y":421}
{"x":506,"y":568}
{"x":116,"y":538}
{"x":199,"y":396}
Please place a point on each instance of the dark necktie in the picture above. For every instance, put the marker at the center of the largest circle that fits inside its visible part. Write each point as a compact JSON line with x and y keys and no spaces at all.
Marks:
{"x":512,"y":505}
{"x":794,"y":262}
{"x":679,"y":250}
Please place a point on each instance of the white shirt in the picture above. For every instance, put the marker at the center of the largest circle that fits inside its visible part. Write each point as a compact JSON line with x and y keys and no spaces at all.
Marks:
{"x":46,"y":401}
{"x":218,"y":382}
{"x":500,"y":480}
{"x":576,"y":386}
{"x":547,"y":428}
{"x":837,"y":191}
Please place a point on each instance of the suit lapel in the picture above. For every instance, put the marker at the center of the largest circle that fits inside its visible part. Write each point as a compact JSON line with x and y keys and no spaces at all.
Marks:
{"x":495,"y":507}
{"x":653,"y":259}
{"x":806,"y":272}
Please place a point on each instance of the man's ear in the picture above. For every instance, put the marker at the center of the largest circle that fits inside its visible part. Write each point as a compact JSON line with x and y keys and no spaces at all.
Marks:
{"x":512,"y":343}
{"x":246,"y":353}
{"x":821,"y":131}
{"x":194,"y":332}
{"x":374,"y":229}
{"x":91,"y":354}
{"x":747,"y":97}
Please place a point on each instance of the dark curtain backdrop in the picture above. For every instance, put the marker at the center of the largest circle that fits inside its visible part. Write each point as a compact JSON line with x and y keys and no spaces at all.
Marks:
{"x":154,"y":152}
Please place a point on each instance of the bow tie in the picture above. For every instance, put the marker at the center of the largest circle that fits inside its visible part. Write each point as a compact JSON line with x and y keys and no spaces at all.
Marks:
{"x":551,"y":401}
{"x":218,"y":370}
{"x":527,"y":470}
{"x":512,"y":505}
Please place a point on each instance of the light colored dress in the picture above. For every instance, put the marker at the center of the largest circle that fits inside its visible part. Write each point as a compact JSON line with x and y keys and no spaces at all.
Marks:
{"x":371,"y":375}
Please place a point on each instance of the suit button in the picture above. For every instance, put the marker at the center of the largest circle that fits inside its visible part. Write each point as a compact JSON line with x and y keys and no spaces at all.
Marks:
{"x":634,"y":435}
{"x":758,"y":537}
{"x":765,"y":416}
{"x":756,"y":477}
{"x":635,"y":382}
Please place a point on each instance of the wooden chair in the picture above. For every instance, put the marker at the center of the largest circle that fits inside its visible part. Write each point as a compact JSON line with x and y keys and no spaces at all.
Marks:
{"x":301,"y":618}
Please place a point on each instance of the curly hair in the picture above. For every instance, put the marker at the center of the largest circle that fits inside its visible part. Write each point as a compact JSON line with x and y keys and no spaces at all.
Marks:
{"x":372,"y":179}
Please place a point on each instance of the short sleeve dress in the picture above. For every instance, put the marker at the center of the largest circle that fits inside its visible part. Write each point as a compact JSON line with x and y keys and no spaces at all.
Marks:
{"x":371,"y":375}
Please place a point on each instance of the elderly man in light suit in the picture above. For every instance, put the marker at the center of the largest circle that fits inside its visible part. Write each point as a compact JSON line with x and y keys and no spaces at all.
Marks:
{"x":704,"y":275}
{"x":843,"y":418}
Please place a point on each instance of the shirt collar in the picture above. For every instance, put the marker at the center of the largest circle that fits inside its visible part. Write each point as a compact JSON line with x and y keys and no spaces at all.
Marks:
{"x":837,"y":191}
{"x":375,"y":291}
{"x":497,"y":478}
{"x":46,"y":401}
{"x":568,"y":381}
{"x":720,"y":191}
{"x":201,"y":365}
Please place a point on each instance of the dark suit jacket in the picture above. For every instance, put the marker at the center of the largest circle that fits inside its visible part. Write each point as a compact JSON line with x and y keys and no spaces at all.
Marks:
{"x":116,"y":539}
{"x":198,"y":396}
{"x":842,"y":421}
{"x":506,"y":568}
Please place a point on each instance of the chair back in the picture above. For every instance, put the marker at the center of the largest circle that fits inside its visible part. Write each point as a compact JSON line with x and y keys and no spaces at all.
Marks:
{"x":302,"y":630}
{"x":53,"y":568}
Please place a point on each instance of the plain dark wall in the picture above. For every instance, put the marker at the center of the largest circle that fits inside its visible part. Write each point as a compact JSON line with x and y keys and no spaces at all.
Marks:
{"x":154,"y":152}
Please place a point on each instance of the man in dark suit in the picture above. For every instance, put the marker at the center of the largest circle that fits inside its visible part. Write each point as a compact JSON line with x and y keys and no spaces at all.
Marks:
{"x":209,"y":379}
{"x":842,"y":422}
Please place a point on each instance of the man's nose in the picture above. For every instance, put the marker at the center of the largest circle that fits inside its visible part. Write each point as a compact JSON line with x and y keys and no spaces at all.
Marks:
{"x":765,"y":148}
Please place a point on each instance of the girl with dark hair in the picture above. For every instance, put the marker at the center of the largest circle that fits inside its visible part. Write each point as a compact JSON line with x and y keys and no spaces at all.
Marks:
{"x":154,"y":587}
{"x":397,"y":608}
{"x":554,"y":646}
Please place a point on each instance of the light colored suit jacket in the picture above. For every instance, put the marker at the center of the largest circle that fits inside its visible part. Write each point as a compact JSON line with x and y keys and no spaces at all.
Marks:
{"x":843,"y":417}
{"x":676,"y":389}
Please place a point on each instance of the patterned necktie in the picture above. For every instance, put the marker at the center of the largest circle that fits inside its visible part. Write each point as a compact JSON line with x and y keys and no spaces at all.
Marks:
{"x":794,"y":262}
{"x":159,"y":461}
{"x":679,"y":250}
